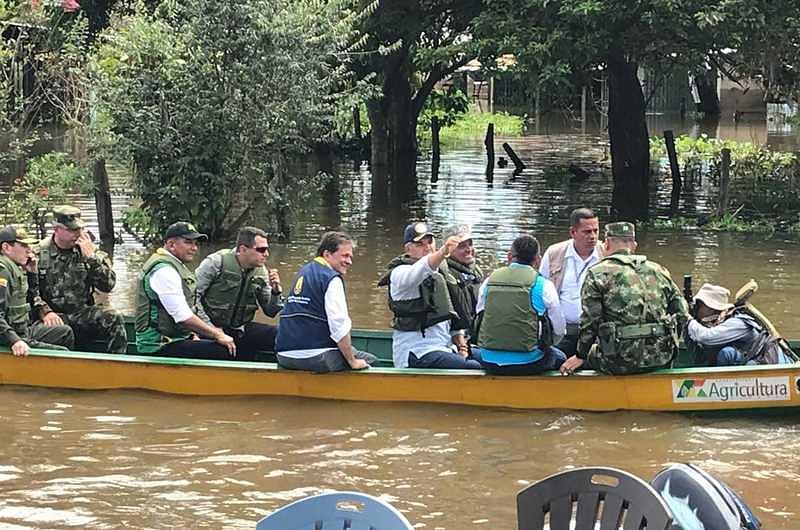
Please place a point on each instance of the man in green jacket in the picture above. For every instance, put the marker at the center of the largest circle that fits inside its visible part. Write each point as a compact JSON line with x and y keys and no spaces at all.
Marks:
{"x":19,"y":292}
{"x":631,"y":307}
{"x":467,"y":277}
{"x":232,"y":284}
{"x":166,"y":313}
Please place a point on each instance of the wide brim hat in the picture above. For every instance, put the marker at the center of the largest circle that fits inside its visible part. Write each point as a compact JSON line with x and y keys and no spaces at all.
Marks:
{"x":714,"y":297}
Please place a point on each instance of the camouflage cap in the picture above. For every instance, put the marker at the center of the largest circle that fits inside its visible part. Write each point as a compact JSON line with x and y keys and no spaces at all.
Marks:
{"x":11,"y":234}
{"x":68,"y":216}
{"x":621,"y":229}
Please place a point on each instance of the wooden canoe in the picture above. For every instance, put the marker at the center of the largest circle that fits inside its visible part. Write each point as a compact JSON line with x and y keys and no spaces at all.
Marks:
{"x":677,"y":389}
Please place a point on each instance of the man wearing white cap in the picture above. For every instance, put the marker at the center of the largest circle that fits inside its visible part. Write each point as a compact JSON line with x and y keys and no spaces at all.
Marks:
{"x":725,"y":336}
{"x":463,"y":268}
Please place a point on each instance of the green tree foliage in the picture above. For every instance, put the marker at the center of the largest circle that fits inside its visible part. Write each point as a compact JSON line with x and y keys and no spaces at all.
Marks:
{"x":47,"y":182}
{"x":212,"y":101}
{"x":566,"y":41}
{"x":419,"y":43}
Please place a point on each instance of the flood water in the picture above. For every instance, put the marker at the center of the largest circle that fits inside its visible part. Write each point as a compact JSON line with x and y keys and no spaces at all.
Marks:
{"x":142,"y":460}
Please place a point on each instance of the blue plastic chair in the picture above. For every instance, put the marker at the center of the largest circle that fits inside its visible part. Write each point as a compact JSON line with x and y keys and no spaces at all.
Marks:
{"x":342,"y":510}
{"x":592,"y":498}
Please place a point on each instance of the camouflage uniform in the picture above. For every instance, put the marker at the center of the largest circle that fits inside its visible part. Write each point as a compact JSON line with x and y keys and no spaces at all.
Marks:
{"x":635,"y":310}
{"x":19,"y":292}
{"x":67,"y":282}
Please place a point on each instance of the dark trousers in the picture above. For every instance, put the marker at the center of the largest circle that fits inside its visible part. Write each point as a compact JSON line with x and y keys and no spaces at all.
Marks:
{"x":197,"y":349}
{"x":255,"y":338}
{"x":569,"y":344}
{"x":443,"y":359}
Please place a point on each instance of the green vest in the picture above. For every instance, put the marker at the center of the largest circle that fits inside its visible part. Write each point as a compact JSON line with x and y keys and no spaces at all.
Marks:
{"x":464,"y":293}
{"x":18,"y":310}
{"x":509,"y":322}
{"x":154,"y":326}
{"x":230,"y":301}
{"x":431,"y":307}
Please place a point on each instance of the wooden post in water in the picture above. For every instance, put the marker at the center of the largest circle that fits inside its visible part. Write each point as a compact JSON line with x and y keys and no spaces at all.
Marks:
{"x":357,"y":122}
{"x":102,"y":201}
{"x":675,"y":170}
{"x":489,"y":143}
{"x":518,"y":164}
{"x":583,"y":109}
{"x":724,"y":181}
{"x":435,"y":148}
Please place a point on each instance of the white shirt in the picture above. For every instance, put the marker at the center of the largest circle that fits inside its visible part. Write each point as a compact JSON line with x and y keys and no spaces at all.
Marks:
{"x":404,"y":284}
{"x":167,"y":284}
{"x":575,"y":269}
{"x":339,"y":322}
{"x":551,"y":302}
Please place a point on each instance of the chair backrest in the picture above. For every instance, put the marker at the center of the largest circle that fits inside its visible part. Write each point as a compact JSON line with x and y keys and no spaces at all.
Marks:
{"x":581,"y":498}
{"x":336,"y":511}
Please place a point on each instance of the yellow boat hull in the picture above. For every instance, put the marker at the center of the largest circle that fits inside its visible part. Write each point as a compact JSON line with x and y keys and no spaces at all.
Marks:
{"x":688,"y":389}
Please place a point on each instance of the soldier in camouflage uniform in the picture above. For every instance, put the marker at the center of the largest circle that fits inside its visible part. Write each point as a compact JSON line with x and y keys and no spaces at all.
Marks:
{"x":632,"y":307}
{"x":70,"y":271}
{"x":19,"y":292}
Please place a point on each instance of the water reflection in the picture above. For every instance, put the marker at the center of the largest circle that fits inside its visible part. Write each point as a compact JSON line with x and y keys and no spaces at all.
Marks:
{"x":225,"y":462}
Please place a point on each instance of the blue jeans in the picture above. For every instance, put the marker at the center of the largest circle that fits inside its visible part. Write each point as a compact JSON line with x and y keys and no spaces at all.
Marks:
{"x":442,"y":359}
{"x":730,"y":356}
{"x":329,"y":361}
{"x":552,"y":359}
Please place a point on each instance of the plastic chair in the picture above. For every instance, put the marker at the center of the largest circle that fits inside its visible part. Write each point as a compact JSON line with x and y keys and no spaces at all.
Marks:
{"x":591,"y":495}
{"x":343,"y":510}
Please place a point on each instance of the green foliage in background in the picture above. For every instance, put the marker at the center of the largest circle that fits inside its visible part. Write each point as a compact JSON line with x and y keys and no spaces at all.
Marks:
{"x":762,"y":181}
{"x":48,"y":181}
{"x":213,"y":102}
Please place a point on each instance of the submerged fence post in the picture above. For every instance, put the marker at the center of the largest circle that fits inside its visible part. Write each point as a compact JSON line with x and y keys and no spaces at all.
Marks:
{"x":675,"y":170}
{"x":489,"y":143}
{"x":724,"y":181}
{"x":435,"y":148}
{"x":102,"y":201}
{"x":518,"y":164}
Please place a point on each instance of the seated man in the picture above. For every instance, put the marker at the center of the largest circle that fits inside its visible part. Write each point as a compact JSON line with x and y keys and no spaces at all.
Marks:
{"x":522,"y":317}
{"x":314,"y":329}
{"x":232,"y":284}
{"x":18,"y":292}
{"x":420,"y":300}
{"x":724,"y":335}
{"x":631,"y":307}
{"x":166,"y":320}
{"x":467,"y":278}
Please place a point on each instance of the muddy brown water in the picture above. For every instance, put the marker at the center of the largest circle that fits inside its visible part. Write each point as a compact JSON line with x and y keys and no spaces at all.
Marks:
{"x":73,"y":459}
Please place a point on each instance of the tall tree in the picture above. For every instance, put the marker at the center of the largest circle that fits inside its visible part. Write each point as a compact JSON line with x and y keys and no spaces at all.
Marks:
{"x":561,"y":38}
{"x":420,"y":42}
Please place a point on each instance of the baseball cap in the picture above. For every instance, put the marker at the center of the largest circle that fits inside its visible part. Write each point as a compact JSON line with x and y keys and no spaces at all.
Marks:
{"x":69,"y":216}
{"x":415,"y":232}
{"x":11,"y":234}
{"x":184,"y":230}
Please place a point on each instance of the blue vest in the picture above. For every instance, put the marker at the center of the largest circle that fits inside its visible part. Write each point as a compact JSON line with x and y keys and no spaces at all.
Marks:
{"x":304,"y":323}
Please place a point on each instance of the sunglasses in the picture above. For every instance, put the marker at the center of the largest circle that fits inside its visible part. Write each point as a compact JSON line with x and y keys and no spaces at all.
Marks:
{"x":261,"y":250}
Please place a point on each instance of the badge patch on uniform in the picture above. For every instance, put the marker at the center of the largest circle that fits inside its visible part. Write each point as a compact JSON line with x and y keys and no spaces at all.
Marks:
{"x":298,"y":286}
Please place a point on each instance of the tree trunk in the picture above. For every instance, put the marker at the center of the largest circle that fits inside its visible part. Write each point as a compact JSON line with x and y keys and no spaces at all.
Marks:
{"x":707,"y":90}
{"x":380,"y":153}
{"x":630,"y":145}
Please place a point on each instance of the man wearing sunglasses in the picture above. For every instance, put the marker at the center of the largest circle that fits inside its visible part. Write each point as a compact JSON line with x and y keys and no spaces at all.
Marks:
{"x":19,"y":291}
{"x":232,"y":284}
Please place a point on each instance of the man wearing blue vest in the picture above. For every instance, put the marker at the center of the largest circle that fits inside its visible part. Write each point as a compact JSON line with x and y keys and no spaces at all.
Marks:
{"x":314,"y":329}
{"x":522,"y":316}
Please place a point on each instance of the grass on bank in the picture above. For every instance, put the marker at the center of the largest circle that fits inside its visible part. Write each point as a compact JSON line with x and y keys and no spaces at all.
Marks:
{"x":472,"y":126}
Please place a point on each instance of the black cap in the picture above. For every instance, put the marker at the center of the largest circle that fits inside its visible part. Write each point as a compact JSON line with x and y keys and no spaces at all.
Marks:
{"x":184,"y":230}
{"x":415,"y":232}
{"x":11,"y":234}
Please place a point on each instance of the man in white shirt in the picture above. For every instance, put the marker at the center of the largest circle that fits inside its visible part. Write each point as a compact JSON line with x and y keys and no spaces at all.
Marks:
{"x":520,"y":316}
{"x":566,"y":263}
{"x":420,"y":301}
{"x":314,"y":329}
{"x":166,"y":320}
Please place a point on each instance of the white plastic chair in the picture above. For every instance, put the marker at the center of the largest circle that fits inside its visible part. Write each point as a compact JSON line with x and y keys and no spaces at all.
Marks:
{"x":343,"y":510}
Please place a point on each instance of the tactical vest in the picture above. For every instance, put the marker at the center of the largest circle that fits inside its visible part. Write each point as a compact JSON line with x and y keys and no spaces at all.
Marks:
{"x":464,"y":293}
{"x":18,"y":309}
{"x":431,"y":307}
{"x":154,"y":325}
{"x":59,"y":300}
{"x":509,"y":322}
{"x":304,"y":322}
{"x":643,"y":346}
{"x":230,"y":301}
